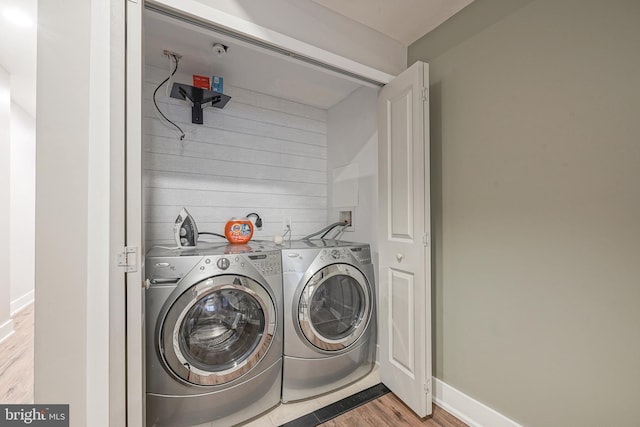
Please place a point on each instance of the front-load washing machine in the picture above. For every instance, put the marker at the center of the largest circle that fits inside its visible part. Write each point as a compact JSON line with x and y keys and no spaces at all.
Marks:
{"x":213,"y":334}
{"x":329,"y":316}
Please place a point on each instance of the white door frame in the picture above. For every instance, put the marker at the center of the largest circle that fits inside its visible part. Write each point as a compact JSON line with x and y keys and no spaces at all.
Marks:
{"x":200,"y":12}
{"x":117,"y":303}
{"x":134,"y":278}
{"x":133,"y":103}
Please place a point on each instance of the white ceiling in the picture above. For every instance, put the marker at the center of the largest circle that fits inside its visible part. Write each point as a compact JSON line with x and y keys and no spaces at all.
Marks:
{"x":243,"y":65}
{"x":402,"y":20}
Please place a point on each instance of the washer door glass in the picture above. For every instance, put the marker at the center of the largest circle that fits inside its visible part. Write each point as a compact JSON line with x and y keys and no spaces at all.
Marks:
{"x":335,"y":307}
{"x":218,"y":330}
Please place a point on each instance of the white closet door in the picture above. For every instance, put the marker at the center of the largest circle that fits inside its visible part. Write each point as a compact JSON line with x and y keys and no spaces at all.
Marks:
{"x":405,"y":260}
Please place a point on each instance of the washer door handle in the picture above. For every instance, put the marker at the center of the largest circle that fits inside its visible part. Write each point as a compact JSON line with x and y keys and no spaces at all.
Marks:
{"x":399,"y":256}
{"x":165,"y":281}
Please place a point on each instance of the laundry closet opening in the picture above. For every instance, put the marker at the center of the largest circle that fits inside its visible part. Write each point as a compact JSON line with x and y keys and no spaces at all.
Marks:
{"x":296,"y":142}
{"x":291,"y":141}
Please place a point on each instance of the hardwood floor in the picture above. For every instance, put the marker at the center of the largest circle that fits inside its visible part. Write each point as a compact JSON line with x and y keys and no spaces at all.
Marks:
{"x":388,"y":410}
{"x":16,"y":361}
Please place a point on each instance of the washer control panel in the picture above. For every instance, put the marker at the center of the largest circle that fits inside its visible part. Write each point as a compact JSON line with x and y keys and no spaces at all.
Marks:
{"x":223,"y":263}
{"x":267,"y":263}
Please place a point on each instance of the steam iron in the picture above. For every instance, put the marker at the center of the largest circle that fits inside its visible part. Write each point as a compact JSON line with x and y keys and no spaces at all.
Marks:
{"x":185,"y":230}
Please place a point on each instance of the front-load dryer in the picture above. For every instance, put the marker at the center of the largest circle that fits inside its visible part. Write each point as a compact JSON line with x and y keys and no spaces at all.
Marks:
{"x":213,"y":334}
{"x":329,"y":316}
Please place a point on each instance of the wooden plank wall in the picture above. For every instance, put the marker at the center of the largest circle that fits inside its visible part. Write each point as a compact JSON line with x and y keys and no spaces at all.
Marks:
{"x":259,"y":154}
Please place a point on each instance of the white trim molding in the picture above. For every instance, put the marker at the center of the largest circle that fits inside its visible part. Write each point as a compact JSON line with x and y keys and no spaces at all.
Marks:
{"x":6,"y":330}
{"x":251,"y":30}
{"x":467,"y":409}
{"x":22,"y":302}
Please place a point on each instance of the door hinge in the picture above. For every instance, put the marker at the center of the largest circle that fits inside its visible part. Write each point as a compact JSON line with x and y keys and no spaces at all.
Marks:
{"x":425,"y":94}
{"x":425,"y":239}
{"x":128,"y":259}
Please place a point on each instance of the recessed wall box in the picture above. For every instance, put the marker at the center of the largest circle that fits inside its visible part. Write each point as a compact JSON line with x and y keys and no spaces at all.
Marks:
{"x":347,"y":218}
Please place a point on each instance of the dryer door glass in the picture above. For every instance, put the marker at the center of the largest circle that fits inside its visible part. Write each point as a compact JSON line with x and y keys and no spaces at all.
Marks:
{"x":218,"y":330}
{"x":335,"y":307}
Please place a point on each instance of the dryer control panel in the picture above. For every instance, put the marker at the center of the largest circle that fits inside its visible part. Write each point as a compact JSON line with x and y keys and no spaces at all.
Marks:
{"x":362,"y":254}
{"x":335,"y":254}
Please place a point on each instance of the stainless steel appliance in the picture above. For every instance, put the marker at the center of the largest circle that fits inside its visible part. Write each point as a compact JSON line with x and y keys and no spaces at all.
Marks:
{"x":329,"y":316}
{"x":214,"y":334}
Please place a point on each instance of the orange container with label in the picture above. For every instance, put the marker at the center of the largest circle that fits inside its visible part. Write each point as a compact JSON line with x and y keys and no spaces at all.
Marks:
{"x":238,"y":230}
{"x":202,"y":82}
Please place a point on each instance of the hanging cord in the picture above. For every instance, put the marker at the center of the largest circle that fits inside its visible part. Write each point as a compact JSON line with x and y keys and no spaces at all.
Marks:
{"x":326,"y":229}
{"x":199,"y":233}
{"x":168,"y":247}
{"x":212,"y":234}
{"x":342,"y":226}
{"x":175,"y":58}
{"x":287,"y":231}
{"x":258,"y":219}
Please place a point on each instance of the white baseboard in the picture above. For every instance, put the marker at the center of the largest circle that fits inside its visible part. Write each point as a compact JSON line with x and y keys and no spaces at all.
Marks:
{"x":22,"y":302}
{"x":6,"y":330}
{"x":467,"y":409}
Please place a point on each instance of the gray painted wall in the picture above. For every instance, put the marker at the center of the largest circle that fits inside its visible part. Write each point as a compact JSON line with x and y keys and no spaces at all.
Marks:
{"x":535,"y":115}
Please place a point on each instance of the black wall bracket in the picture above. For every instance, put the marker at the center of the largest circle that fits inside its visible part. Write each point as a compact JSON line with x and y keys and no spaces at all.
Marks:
{"x":199,"y":98}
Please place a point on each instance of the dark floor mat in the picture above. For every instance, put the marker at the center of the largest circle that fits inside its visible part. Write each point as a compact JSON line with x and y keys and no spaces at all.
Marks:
{"x":340,"y":407}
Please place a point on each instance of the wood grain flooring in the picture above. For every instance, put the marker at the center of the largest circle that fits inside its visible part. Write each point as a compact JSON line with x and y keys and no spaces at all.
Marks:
{"x":388,"y":410}
{"x":16,"y":361}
